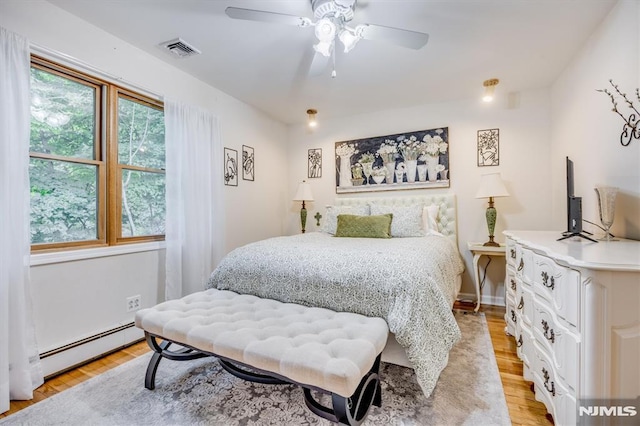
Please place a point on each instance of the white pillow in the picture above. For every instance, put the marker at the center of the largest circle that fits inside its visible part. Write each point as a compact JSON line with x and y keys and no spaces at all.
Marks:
{"x":430,"y":219}
{"x":331,"y":216}
{"x":406,"y":222}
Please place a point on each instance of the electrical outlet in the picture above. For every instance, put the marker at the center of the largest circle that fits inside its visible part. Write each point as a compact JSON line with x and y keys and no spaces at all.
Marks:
{"x":134,"y":303}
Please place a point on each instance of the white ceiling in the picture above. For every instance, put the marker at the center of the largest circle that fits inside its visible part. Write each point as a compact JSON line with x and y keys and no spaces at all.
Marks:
{"x":524,"y":43}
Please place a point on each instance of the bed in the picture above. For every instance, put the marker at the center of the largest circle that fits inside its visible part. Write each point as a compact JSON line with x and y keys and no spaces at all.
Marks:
{"x":410,"y":280}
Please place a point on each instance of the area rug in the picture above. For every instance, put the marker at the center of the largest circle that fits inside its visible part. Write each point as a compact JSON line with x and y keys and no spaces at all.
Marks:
{"x":199,"y":392}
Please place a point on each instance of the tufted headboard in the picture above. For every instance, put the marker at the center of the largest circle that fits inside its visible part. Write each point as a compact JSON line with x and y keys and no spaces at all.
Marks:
{"x":446,"y":214}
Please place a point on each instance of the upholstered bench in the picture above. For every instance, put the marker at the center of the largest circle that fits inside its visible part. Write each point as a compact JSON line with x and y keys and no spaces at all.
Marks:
{"x":272,"y":342}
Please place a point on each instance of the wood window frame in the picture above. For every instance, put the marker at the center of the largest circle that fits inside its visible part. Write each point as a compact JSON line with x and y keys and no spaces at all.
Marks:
{"x":109,"y":171}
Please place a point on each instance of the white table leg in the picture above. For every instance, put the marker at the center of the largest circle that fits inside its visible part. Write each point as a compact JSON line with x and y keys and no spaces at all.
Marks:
{"x":476,"y":273}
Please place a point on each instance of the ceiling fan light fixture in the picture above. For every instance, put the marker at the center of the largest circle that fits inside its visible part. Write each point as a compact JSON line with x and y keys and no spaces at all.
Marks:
{"x":325,"y":29}
{"x":324,"y":48}
{"x":489,"y":89}
{"x":349,"y":39}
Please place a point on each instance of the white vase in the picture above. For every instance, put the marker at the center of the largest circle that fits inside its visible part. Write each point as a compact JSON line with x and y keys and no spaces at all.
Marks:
{"x":367,"y":168}
{"x":399,"y":176}
{"x":444,"y":175}
{"x":411,"y":170}
{"x":345,"y":170}
{"x":432,"y":167}
{"x":378,"y":178}
{"x":391,"y":168}
{"x":422,"y":172}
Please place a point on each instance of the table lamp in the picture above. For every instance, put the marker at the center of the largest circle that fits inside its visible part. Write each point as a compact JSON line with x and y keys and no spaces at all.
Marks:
{"x":303,"y":194}
{"x":491,"y":186}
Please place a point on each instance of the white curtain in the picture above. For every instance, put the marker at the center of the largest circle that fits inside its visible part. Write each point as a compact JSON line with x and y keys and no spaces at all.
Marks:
{"x":195,"y":205}
{"x":20,"y":370}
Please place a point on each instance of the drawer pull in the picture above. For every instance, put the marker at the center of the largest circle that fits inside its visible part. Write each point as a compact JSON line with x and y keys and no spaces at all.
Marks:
{"x":521,"y":304}
{"x":513,"y":253}
{"x":521,"y":265}
{"x":513,"y":316}
{"x":551,"y":389}
{"x":513,"y":284}
{"x":519,"y":342}
{"x":548,"y":332}
{"x":547,"y":281}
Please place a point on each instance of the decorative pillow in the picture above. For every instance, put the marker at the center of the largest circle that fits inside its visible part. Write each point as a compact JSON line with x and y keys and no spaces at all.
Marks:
{"x":350,"y":225}
{"x":331,"y":216}
{"x":430,"y":219}
{"x":407,"y":220}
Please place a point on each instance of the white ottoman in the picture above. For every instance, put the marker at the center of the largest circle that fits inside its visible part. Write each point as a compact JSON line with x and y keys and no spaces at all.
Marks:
{"x":316,"y":348}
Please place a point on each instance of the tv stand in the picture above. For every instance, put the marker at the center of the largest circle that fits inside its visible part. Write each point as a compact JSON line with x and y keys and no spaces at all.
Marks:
{"x":566,"y":235}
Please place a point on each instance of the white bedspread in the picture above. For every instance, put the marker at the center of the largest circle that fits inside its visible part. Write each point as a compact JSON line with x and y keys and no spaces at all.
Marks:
{"x":410,"y":282}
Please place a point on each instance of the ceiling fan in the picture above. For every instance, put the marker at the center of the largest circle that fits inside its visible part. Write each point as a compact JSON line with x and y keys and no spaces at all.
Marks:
{"x":332,"y":19}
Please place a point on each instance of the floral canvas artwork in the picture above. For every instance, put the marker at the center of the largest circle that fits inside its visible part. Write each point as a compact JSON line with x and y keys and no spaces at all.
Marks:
{"x":489,"y":147}
{"x":410,"y":160}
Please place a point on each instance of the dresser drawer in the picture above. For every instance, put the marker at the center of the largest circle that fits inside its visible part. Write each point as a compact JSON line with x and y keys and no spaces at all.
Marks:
{"x":558,"y":342}
{"x":511,"y":252}
{"x":559,"y":286}
{"x":560,"y":402}
{"x":525,"y":349}
{"x":524,"y":264}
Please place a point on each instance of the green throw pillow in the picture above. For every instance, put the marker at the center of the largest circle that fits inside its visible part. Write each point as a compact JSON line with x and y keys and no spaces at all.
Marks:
{"x":350,"y":225}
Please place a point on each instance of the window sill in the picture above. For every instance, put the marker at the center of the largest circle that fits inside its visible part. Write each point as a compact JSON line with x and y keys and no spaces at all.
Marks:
{"x":93,"y":253}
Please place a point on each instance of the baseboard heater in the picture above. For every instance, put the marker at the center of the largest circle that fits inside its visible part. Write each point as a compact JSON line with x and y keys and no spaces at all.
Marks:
{"x":85,"y":341}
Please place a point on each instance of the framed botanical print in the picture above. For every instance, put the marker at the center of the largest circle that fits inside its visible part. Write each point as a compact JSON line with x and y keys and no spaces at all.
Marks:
{"x":488,"y":147}
{"x":248,"y":171}
{"x":314,"y":167}
{"x":230,"y":167}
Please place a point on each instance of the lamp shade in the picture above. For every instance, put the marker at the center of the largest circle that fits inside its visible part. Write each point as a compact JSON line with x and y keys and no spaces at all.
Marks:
{"x":304,"y":192}
{"x":491,"y":185}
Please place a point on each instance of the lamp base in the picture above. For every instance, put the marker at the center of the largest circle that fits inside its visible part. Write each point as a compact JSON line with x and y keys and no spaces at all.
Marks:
{"x":491,"y":244}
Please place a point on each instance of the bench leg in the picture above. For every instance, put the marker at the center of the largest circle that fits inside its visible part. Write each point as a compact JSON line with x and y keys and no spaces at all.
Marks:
{"x":161,"y":350}
{"x":353,"y":410}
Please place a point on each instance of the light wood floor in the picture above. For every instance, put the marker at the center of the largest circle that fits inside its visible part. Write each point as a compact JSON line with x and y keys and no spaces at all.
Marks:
{"x":523,"y":408}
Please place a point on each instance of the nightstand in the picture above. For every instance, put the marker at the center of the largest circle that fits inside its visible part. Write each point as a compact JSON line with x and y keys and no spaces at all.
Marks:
{"x":478,"y":250}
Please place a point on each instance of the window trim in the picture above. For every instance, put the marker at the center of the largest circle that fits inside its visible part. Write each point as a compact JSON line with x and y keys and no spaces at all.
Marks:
{"x":105,"y":157}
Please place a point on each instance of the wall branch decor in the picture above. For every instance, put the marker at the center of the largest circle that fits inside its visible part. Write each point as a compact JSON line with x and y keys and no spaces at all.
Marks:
{"x":631,"y":128}
{"x":410,"y":160}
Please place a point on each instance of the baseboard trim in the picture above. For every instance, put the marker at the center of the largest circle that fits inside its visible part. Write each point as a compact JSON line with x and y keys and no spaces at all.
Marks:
{"x":484,"y":299}
{"x":75,"y":354}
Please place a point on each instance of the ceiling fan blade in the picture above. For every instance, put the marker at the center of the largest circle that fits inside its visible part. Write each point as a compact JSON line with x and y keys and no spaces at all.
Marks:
{"x":263,"y":16}
{"x":318,"y":65}
{"x":405,"y":38}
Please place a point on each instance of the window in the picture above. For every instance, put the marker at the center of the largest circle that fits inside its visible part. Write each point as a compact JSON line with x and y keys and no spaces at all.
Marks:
{"x":96,"y":161}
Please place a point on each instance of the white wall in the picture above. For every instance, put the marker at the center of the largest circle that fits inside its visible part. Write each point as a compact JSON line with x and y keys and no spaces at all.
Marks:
{"x":79,"y":298}
{"x":585,"y":129}
{"x":524,"y":123}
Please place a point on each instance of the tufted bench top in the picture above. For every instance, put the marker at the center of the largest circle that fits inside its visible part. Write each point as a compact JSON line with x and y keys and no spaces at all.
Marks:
{"x":312,"y":346}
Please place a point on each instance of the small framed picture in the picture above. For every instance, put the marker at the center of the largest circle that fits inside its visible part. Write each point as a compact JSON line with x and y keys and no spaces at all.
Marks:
{"x":488,"y":147}
{"x":230,"y":167}
{"x":315,"y":163}
{"x":248,"y":171}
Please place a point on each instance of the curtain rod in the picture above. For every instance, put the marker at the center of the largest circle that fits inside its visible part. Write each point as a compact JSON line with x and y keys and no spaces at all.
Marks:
{"x":55,"y":55}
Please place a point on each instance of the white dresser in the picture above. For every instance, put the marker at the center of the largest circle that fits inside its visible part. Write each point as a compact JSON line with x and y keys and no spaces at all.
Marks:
{"x":573,"y":307}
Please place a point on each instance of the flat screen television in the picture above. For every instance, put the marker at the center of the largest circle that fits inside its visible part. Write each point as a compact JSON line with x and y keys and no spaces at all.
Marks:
{"x":574,"y":208}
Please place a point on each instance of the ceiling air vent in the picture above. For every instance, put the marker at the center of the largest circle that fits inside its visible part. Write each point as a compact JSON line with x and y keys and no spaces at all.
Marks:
{"x":180,"y":48}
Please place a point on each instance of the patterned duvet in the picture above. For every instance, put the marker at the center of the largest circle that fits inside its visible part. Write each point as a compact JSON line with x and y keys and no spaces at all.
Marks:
{"x":410,"y":282}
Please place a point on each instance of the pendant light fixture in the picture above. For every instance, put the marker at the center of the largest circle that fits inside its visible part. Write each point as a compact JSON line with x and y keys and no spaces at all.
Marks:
{"x":489,"y":89}
{"x":311,"y":118}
